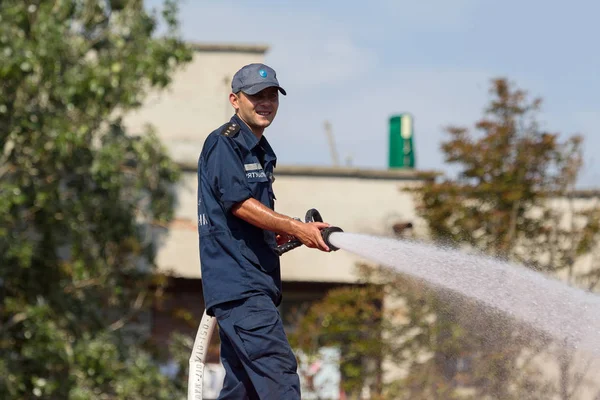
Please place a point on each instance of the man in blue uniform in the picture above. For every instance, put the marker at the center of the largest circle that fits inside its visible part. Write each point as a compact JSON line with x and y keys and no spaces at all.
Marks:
{"x":239,"y":229}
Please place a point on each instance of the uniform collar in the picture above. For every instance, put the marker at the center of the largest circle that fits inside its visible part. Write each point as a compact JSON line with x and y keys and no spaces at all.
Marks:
{"x":252,"y":141}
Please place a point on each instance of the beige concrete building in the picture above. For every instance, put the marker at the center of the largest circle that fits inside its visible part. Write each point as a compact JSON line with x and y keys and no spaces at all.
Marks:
{"x":357,"y":200}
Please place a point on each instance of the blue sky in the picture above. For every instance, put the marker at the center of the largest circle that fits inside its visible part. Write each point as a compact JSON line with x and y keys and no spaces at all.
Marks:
{"x":357,"y":63}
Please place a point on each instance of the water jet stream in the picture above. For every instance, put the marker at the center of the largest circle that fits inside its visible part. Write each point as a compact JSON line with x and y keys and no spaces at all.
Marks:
{"x":568,"y":314}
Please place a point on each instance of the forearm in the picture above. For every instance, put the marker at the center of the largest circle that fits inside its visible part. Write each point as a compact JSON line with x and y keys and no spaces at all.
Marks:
{"x":257,"y":214}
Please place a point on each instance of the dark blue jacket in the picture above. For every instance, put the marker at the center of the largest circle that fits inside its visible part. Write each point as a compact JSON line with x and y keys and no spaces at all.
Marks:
{"x":237,"y":259}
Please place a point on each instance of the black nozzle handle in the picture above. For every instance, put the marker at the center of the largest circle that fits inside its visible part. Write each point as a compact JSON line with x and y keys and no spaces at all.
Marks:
{"x":313,"y":215}
{"x":284,"y":248}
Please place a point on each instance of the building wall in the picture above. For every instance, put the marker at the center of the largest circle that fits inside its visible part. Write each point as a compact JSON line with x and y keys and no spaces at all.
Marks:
{"x":355,"y":200}
{"x":358,"y":201}
{"x":197,"y":101}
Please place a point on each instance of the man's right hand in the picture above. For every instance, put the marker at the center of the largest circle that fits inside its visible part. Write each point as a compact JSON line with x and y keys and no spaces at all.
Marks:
{"x":309,"y":233}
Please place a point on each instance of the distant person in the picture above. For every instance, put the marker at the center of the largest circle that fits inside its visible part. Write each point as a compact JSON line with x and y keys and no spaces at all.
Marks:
{"x":239,"y":229}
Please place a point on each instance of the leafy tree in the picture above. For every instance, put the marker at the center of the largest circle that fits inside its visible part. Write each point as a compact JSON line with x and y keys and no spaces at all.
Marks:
{"x":504,"y":203}
{"x":78,"y":196}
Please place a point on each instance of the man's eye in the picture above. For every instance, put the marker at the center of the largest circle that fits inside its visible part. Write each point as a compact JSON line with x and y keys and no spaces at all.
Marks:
{"x":263,"y":96}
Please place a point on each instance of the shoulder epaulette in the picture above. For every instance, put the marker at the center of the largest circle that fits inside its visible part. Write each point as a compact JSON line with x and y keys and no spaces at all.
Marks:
{"x":231,"y":129}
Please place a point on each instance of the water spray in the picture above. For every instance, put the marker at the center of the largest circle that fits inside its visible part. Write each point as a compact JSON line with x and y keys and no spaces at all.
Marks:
{"x":566,"y":314}
{"x":207,"y":324}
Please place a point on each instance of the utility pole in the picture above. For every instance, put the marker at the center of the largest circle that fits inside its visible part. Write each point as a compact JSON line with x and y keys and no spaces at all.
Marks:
{"x":332,"y":148}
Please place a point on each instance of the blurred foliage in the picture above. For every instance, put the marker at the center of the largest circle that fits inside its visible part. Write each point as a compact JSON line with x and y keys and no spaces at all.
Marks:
{"x":512,"y":200}
{"x":350,"y":319}
{"x":78,"y":196}
{"x":501,"y":202}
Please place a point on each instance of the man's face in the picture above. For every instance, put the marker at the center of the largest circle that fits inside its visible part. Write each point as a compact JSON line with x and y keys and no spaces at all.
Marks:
{"x":258,"y":110}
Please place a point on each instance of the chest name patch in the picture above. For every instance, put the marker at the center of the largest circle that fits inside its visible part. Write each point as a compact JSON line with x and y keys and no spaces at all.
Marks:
{"x":256,"y":174}
{"x":252,"y":167}
{"x":254,"y":171}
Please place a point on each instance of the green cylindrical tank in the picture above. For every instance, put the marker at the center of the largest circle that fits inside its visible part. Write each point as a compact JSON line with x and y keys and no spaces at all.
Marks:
{"x":401,"y":150}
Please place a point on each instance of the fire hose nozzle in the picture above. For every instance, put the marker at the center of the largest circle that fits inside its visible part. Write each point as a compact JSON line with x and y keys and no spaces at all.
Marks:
{"x":312,"y":215}
{"x":326,"y":233}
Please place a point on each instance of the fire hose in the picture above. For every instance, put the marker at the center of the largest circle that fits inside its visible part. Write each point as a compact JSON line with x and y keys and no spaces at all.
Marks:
{"x":207,"y":324}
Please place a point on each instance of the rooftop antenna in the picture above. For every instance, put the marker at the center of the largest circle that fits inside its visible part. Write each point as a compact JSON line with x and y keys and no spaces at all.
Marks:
{"x":332,"y":148}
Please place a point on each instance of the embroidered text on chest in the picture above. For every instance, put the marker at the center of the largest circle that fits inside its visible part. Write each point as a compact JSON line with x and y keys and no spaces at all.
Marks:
{"x":254,"y":170}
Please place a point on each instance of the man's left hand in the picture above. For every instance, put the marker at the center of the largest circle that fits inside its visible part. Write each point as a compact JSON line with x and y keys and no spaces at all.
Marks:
{"x":284,"y":238}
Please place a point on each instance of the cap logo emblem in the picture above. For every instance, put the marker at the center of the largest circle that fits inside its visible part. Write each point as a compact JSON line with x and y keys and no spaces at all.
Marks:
{"x":262,"y":73}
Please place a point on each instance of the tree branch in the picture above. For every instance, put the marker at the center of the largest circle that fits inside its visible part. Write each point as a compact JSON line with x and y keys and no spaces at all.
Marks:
{"x":137,"y":305}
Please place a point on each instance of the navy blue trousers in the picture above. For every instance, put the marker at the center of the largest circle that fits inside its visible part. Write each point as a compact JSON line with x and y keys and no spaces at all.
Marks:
{"x":258,"y":360}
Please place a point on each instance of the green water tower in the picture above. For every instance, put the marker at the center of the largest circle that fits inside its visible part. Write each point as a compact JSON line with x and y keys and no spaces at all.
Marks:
{"x":401,"y":148}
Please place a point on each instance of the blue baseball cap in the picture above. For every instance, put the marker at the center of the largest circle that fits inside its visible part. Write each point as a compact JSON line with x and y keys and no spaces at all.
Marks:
{"x":253,"y":78}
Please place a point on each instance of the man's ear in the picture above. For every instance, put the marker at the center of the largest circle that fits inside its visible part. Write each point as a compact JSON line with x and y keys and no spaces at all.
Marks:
{"x":234,"y":100}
